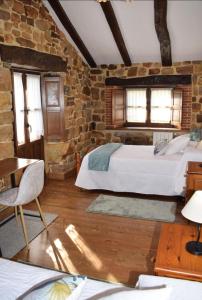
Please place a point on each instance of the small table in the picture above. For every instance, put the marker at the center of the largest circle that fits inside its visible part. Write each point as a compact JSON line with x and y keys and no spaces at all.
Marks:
{"x":9,"y":166}
{"x":194,"y":178}
{"x":172,"y":259}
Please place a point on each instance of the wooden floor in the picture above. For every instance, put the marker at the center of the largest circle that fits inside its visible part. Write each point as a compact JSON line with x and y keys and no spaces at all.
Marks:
{"x":101,"y":246}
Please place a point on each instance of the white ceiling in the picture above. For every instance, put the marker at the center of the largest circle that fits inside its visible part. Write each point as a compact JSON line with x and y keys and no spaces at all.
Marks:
{"x":136,"y":21}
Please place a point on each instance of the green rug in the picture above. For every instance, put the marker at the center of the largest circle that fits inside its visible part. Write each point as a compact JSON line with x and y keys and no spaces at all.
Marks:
{"x":134,"y":208}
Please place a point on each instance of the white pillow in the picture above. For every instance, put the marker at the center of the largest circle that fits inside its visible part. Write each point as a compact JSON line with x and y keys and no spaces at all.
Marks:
{"x":181,"y":289}
{"x":199,"y":145}
{"x":159,"y":146}
{"x":176,"y":145}
{"x":159,"y":293}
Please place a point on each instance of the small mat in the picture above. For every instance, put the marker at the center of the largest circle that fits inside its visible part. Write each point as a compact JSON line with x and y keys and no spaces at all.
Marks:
{"x":11,"y":234}
{"x":134,"y":208}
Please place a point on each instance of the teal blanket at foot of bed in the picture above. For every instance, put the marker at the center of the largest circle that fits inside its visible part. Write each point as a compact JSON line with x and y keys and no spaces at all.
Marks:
{"x":99,"y":159}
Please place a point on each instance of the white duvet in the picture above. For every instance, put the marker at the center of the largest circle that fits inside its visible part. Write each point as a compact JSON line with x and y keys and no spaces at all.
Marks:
{"x":136,"y":169}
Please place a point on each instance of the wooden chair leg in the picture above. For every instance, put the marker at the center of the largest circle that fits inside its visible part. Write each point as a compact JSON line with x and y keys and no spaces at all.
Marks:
{"x":16,"y":214}
{"x":41,"y":214}
{"x":23,"y":226}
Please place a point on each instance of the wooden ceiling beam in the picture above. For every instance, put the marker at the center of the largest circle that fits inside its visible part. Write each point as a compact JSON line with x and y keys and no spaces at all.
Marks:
{"x":149,"y":80}
{"x":61,"y":14}
{"x":160,"y":16}
{"x":114,"y":26}
{"x":16,"y":55}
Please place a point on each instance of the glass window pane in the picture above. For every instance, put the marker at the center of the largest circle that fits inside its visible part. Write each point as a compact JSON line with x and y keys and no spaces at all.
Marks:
{"x":161,"y":97}
{"x":161,"y":105}
{"x":19,"y":108}
{"x":136,"y":97}
{"x":136,"y":105}
{"x":160,"y":115}
{"x":35,"y":118}
{"x":136,"y":115}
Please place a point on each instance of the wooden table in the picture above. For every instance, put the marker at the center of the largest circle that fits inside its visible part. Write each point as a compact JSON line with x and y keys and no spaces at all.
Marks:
{"x":172,"y":259}
{"x":194,"y":178}
{"x":9,"y":166}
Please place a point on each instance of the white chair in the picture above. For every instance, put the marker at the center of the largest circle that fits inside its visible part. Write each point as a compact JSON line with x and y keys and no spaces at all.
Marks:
{"x":31,"y":185}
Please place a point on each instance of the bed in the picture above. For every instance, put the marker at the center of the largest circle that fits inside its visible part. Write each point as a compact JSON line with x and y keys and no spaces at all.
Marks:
{"x":137,"y":169}
{"x":27,"y":282}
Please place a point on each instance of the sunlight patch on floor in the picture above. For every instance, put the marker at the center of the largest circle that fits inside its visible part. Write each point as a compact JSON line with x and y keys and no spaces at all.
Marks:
{"x":83,"y":248}
{"x":59,"y":255}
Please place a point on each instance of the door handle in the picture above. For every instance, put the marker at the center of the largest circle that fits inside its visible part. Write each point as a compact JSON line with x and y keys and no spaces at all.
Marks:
{"x":29,"y":126}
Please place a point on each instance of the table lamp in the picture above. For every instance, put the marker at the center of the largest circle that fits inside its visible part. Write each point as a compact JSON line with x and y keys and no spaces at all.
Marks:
{"x":193,"y":212}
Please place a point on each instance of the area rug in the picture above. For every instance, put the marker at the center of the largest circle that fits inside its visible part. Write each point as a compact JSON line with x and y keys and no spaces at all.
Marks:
{"x":134,"y":208}
{"x":11,"y":233}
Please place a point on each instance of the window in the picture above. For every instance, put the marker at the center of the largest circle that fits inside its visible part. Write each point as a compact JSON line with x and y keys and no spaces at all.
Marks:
{"x":149,"y":102}
{"x":153,"y":107}
{"x":28,"y":110}
{"x":136,"y":105}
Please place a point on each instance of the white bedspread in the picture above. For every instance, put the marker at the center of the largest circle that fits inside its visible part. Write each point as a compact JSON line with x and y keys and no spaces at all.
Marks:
{"x":16,"y":279}
{"x":136,"y":169}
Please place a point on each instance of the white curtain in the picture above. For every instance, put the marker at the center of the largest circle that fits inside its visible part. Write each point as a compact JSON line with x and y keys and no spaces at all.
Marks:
{"x":19,"y":108}
{"x":161,"y":104}
{"x":35,"y":118}
{"x":136,"y":105}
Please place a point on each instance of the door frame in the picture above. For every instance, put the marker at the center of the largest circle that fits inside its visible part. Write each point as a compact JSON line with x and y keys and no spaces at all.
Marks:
{"x":24,"y":71}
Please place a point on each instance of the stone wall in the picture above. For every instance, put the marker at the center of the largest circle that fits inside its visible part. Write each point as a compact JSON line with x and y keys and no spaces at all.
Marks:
{"x":27,"y":23}
{"x":101,"y":109}
{"x":6,"y":119}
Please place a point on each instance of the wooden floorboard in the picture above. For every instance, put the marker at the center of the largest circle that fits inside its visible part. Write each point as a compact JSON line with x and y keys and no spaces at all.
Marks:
{"x":101,"y":246}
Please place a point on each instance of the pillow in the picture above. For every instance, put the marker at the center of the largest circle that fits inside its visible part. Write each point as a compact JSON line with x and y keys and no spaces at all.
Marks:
{"x":176,"y":145}
{"x":181,"y":289}
{"x":159,"y":146}
{"x":199,"y":146}
{"x":68,"y":287}
{"x":196,"y":134}
{"x":193,"y":144}
{"x":158,"y":293}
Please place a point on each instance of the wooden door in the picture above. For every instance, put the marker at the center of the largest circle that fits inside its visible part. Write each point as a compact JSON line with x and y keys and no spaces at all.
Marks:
{"x":28,"y":125}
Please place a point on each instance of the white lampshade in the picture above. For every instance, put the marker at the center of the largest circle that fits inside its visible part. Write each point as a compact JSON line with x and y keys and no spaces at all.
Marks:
{"x":193,"y":209}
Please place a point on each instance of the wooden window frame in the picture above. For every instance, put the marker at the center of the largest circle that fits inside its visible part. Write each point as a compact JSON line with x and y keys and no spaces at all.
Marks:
{"x":148,"y":122}
{"x":23,"y":71}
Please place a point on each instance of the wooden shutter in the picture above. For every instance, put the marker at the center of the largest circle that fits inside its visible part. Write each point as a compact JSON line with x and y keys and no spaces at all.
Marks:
{"x":177,"y":108}
{"x":118,"y":107}
{"x":53,"y":106}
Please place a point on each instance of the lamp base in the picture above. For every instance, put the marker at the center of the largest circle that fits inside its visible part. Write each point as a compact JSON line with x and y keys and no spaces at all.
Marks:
{"x":194,"y":247}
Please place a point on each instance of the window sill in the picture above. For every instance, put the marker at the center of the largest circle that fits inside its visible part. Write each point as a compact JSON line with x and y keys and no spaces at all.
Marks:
{"x":144,"y":129}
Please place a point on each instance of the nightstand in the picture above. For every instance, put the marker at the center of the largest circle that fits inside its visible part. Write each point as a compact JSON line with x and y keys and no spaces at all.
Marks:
{"x":194,"y":178}
{"x":172,"y":259}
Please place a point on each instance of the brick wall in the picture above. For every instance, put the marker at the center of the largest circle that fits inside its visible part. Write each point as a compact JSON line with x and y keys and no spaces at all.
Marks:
{"x":186,"y":107}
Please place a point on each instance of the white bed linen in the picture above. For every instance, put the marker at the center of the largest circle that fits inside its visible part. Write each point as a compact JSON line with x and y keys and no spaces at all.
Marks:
{"x":95,"y":287}
{"x":16,"y":278}
{"x":136,"y":169}
{"x":180,"y":289}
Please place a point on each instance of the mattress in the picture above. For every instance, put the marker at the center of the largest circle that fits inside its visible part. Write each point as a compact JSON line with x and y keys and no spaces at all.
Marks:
{"x":133,"y":169}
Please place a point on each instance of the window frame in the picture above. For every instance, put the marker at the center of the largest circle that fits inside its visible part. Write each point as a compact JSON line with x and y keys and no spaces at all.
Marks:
{"x":24,"y":72}
{"x":148,"y":123}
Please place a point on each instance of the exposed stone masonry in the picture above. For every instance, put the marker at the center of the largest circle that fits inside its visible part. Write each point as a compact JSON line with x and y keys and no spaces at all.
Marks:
{"x":27,"y":23}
